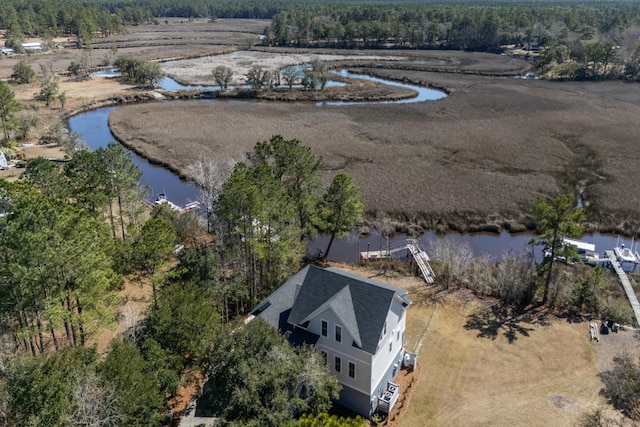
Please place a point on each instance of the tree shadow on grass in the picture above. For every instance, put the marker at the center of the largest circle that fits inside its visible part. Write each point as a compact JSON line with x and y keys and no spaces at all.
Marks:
{"x":499,"y":319}
{"x":429,"y":295}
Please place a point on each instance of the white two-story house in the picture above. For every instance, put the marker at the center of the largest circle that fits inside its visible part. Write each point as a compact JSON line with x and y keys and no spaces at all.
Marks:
{"x":357,"y":324}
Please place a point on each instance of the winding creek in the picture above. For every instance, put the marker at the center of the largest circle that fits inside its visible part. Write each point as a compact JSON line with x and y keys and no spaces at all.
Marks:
{"x":94,"y":128}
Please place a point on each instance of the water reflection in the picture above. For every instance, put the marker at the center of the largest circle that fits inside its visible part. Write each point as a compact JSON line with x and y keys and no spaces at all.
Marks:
{"x":167,"y":83}
{"x":481,"y":244}
{"x":423,"y":93}
{"x":490,"y":245}
{"x":94,"y":128}
{"x":113,"y":72}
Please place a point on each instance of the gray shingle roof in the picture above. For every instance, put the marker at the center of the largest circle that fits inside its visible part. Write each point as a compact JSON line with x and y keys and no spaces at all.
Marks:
{"x":362,"y":304}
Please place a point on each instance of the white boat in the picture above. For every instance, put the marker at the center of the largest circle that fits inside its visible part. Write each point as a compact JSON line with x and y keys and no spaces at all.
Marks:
{"x":586,"y":252}
{"x":192,"y":205}
{"x":625,"y":254}
{"x":3,"y":162}
{"x":162,"y":199}
{"x":583,"y":250}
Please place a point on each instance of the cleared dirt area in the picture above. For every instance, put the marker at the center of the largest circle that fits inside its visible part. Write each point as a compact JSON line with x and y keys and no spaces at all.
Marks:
{"x":482,"y":366}
{"x":171,"y":38}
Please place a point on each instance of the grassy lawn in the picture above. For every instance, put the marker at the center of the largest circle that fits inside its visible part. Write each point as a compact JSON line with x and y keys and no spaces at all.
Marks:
{"x":480,"y":366}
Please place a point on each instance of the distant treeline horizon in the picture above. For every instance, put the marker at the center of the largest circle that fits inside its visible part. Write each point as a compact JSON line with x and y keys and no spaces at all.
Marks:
{"x":34,"y":17}
{"x":598,"y":39}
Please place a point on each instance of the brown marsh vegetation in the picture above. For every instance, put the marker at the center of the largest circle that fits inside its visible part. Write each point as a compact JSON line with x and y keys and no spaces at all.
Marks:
{"x":475,"y":158}
{"x":479,"y":156}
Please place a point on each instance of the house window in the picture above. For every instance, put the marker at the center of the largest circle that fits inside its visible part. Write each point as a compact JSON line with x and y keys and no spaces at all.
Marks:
{"x":385,"y":329}
{"x":352,"y":370}
{"x":390,"y":346}
{"x":338,"y":363}
{"x":398,"y":336}
{"x":338,"y":333}
{"x":324,"y":328}
{"x":324,"y":356}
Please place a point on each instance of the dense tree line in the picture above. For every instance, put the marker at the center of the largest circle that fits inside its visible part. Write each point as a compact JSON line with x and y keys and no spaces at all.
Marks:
{"x":453,"y":24}
{"x":450,"y":25}
{"x":48,"y":18}
{"x":578,"y":40}
{"x":59,"y":253}
{"x":57,"y":272}
{"x":69,"y":233}
{"x":271,"y":204}
{"x":255,"y":9}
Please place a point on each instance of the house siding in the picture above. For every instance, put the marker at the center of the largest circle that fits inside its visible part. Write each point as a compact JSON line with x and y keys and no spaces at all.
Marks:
{"x":360,"y":307}
{"x":357,"y":401}
{"x":390,"y":374}
{"x":384,"y":360}
{"x":345,"y":350}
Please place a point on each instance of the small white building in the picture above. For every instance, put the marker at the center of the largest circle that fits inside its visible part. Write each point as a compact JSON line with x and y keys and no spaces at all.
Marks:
{"x":7,"y":51}
{"x":356,"y":324}
{"x":32,"y":46}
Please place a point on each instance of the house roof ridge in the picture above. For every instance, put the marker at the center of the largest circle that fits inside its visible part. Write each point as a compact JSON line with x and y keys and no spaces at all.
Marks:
{"x":368,"y":280}
{"x":345,"y":310}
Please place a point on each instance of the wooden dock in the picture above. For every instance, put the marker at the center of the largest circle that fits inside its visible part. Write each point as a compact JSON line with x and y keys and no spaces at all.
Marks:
{"x":413,"y":248}
{"x":383,"y":254}
{"x":631,"y":295}
{"x":422,"y":259}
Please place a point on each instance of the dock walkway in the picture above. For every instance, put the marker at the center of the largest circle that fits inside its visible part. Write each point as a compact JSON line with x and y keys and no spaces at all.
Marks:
{"x":422,"y":259}
{"x":631,"y":295}
{"x":413,"y":247}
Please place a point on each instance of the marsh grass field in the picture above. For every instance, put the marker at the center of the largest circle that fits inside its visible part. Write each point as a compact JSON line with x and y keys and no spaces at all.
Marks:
{"x":477,"y":157}
{"x":480,"y":155}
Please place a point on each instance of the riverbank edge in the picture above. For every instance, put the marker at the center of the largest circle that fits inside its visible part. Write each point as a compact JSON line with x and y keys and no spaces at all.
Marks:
{"x":411,"y":223}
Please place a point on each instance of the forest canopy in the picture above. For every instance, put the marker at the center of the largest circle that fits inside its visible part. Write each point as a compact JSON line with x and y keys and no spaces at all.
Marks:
{"x":36,"y":17}
{"x":572,"y":40}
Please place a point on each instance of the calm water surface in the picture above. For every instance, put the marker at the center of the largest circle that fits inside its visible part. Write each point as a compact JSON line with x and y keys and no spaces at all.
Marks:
{"x":94,"y":128}
{"x":481,"y":244}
